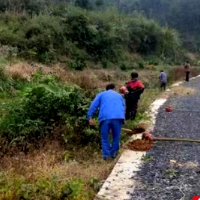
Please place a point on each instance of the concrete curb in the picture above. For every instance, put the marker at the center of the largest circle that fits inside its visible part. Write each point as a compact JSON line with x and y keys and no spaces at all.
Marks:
{"x":121,"y":182}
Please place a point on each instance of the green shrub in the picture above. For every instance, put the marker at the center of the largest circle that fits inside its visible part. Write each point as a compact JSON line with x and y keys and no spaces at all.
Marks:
{"x":104,"y":63}
{"x":42,"y":107}
{"x":124,"y":67}
{"x":43,"y":188}
{"x":78,"y":64}
{"x":141,"y":65}
{"x":153,"y":60}
{"x":93,"y":36}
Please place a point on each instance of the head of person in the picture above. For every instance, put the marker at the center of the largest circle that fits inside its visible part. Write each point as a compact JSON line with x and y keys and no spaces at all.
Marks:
{"x":187,"y":61}
{"x":110,"y":86}
{"x":134,"y":75}
{"x":161,"y":70}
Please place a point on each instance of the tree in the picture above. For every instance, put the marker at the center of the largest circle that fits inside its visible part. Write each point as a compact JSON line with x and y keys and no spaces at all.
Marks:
{"x":83,"y":4}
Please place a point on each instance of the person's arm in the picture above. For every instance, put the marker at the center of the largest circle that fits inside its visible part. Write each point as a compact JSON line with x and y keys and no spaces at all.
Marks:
{"x":139,"y":90}
{"x":94,"y":106}
{"x":140,"y":85}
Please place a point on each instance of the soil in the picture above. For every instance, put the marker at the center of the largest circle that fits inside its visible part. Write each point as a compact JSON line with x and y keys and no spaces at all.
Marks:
{"x":137,"y":130}
{"x":140,"y":145}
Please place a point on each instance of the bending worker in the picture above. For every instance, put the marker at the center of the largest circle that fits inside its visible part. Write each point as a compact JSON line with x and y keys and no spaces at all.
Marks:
{"x":111,"y":116}
{"x":135,"y":89}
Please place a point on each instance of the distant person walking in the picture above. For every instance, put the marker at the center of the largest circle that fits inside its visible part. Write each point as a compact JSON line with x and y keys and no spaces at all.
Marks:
{"x":187,"y":71}
{"x":111,"y":116}
{"x":163,"y":80}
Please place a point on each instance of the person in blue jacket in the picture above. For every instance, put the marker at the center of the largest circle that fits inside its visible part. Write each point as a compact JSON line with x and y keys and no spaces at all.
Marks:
{"x":111,"y":117}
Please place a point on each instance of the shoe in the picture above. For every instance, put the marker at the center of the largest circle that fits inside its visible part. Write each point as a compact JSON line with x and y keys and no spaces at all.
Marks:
{"x":114,"y":156}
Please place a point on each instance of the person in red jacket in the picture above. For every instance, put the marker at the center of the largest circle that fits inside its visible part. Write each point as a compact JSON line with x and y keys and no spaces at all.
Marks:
{"x":135,"y":89}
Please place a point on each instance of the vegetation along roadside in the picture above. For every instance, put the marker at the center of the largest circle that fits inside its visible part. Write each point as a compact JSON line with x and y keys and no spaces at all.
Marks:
{"x":54,"y":58}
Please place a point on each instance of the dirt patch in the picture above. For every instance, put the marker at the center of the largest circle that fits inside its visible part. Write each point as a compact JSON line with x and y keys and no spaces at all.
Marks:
{"x":138,"y":130}
{"x":140,"y":145}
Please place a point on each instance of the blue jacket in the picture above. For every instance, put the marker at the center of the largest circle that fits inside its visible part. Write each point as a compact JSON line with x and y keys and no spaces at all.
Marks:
{"x":111,"y":106}
{"x":163,"y":77}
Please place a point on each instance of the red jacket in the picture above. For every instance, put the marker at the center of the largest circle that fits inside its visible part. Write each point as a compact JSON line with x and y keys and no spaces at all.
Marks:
{"x":135,"y":88}
{"x":134,"y":85}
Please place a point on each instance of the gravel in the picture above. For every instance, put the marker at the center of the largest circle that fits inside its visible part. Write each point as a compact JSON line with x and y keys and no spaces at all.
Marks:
{"x":173,"y":172}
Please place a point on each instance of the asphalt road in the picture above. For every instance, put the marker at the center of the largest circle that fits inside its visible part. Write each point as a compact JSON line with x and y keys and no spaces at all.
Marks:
{"x":171,"y":170}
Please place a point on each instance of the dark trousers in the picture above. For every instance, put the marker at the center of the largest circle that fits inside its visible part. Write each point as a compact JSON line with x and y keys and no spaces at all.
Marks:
{"x":163,"y":86}
{"x":131,"y":108}
{"x":187,"y":76}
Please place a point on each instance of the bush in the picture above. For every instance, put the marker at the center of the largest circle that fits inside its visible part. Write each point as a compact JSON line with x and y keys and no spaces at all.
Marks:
{"x":95,"y":37}
{"x":124,"y":67}
{"x":43,"y":188}
{"x":141,"y":65}
{"x":45,"y":106}
{"x":78,"y":64}
{"x":87,"y":36}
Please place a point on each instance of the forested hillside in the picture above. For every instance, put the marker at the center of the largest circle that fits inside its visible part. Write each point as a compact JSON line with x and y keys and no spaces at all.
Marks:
{"x":182,"y":15}
{"x":51,"y":31}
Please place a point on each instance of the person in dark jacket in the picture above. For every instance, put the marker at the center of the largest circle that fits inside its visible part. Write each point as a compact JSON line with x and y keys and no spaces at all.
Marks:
{"x":163,"y":80}
{"x":135,"y":89}
{"x":187,"y":71}
{"x":111,"y":117}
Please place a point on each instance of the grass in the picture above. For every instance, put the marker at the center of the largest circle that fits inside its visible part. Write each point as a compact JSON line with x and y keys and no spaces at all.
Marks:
{"x":52,"y":160}
{"x":68,"y":163}
{"x":177,"y":73}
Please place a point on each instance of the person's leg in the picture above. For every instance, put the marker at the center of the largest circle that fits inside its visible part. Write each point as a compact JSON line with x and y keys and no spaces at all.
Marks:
{"x":161,"y":85}
{"x":105,"y":127}
{"x":187,"y":76}
{"x":134,"y":109}
{"x":116,"y":125}
{"x":164,"y":86}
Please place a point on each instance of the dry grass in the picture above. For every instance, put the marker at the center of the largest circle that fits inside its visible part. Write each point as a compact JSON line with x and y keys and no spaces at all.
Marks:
{"x":50,"y":160}
{"x":178,"y":73}
{"x":182,"y":91}
{"x":21,"y":71}
{"x":87,"y":79}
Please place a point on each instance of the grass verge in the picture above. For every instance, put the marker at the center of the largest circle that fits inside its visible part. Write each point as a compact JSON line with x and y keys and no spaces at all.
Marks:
{"x":56,"y":172}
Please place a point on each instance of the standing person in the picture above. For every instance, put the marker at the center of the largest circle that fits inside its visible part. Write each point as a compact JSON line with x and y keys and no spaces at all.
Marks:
{"x":163,"y":80}
{"x":135,"y":89}
{"x":187,"y":71}
{"x":111,"y":116}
